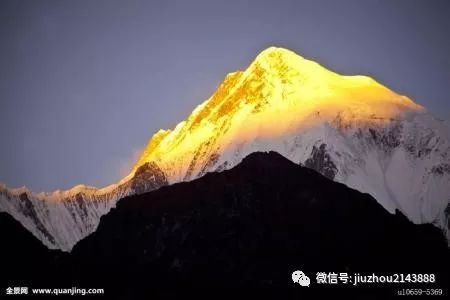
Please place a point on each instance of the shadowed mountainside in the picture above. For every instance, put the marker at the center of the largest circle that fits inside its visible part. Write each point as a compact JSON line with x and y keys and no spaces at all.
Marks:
{"x":247,"y":227}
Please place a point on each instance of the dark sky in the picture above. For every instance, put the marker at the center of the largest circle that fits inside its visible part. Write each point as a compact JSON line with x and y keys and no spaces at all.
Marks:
{"x":84,"y":84}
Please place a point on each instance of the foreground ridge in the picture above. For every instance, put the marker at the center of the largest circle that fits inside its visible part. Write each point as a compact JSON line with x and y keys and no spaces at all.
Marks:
{"x":248,"y":228}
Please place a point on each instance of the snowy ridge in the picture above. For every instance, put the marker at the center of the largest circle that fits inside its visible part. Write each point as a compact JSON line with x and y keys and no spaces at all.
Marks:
{"x":349,"y":128}
{"x":61,"y":218}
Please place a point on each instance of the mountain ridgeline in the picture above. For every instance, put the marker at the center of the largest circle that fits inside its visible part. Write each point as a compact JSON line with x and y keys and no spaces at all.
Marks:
{"x":246,"y":228}
{"x":351,"y":129}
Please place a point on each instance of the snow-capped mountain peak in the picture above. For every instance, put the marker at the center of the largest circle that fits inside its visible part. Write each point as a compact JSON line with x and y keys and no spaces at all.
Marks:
{"x":351,"y":129}
{"x":278,"y":94}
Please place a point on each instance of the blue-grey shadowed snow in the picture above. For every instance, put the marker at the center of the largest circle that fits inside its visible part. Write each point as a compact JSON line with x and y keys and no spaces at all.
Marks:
{"x":84,"y":84}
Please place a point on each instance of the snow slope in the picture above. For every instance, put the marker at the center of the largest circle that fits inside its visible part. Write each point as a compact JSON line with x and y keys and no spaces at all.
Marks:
{"x":349,"y":128}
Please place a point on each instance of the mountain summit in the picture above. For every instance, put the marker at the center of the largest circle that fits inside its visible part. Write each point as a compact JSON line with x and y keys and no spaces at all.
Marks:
{"x":351,"y":129}
{"x":279,"y":94}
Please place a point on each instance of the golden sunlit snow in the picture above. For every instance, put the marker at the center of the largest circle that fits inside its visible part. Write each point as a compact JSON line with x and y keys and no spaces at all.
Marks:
{"x":280,"y":91}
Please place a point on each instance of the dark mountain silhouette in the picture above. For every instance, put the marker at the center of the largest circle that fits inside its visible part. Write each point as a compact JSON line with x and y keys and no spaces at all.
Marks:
{"x":23,"y":258}
{"x":245,"y":230}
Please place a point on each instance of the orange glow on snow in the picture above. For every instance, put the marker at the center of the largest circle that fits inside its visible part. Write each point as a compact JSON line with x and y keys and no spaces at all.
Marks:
{"x":279,"y":92}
